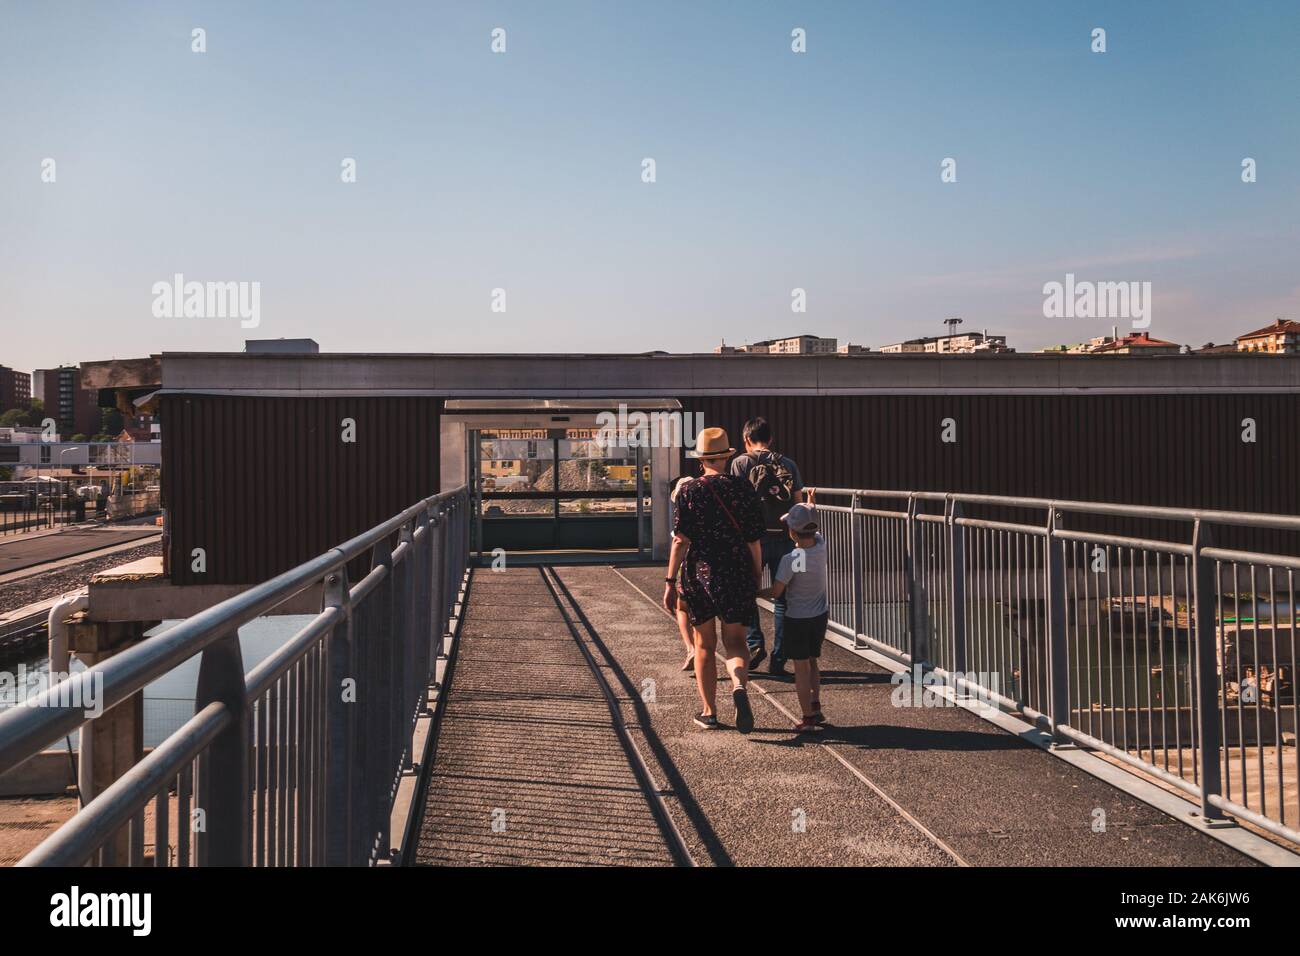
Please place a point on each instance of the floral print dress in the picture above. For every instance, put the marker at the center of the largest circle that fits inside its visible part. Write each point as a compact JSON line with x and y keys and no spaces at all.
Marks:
{"x":717,"y":577}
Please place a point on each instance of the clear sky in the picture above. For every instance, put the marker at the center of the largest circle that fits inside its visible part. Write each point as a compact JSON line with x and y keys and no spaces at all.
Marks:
{"x":522,"y":170}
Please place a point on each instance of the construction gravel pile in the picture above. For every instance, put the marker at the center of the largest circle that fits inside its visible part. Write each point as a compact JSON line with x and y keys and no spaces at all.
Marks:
{"x":575,"y":475}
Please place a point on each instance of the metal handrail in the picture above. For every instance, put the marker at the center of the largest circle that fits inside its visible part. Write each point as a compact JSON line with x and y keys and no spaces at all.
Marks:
{"x":1065,"y":618}
{"x":25,"y":731}
{"x":1236,"y":518}
{"x":75,"y":841}
{"x":415,"y":585}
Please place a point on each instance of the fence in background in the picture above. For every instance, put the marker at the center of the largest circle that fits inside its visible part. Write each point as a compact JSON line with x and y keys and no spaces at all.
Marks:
{"x":297,"y":761}
{"x":32,"y":512}
{"x":1175,"y":656}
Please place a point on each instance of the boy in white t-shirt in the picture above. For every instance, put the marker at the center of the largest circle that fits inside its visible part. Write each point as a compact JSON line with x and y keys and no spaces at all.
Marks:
{"x":802,"y":578}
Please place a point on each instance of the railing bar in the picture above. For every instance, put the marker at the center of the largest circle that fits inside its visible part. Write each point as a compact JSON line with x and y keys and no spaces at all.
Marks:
{"x":273,"y":756}
{"x":99,"y":822}
{"x":273,"y":667}
{"x":1275,"y":698}
{"x":1295,"y":692}
{"x":1194,"y":731}
{"x":1176,"y":683}
{"x":135,"y":839}
{"x":1259,"y":693}
{"x":309,"y":772}
{"x":162,"y":827}
{"x":184,"y":819}
{"x":283,"y":760}
{"x":1164,"y":672}
{"x":1253,"y":557}
{"x":1106,"y":672}
{"x":291,"y":812}
{"x":1137,"y":704}
{"x":263,"y":748}
{"x":1087,"y":634}
{"x":1146,"y":662}
{"x":1122,"y":541}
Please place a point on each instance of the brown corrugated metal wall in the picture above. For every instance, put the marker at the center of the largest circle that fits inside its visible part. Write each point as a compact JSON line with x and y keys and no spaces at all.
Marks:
{"x":1172,"y":450}
{"x":263,"y":484}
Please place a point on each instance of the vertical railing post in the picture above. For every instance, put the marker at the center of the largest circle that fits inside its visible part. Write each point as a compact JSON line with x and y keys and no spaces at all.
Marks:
{"x":957,"y":586}
{"x":424,"y":598}
{"x":224,"y":779}
{"x":1058,"y":674}
{"x":340,"y":723}
{"x":856,"y":570}
{"x":382,"y":737}
{"x":1202,"y":602}
{"x":443,"y":543}
{"x":918,"y":619}
{"x":405,"y":630}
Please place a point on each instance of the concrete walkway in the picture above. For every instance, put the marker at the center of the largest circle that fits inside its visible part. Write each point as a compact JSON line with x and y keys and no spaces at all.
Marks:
{"x":529,"y":769}
{"x":527,"y":734}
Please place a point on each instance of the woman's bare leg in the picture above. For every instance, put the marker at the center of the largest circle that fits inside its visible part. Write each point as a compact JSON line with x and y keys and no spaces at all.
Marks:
{"x":684,"y":629}
{"x":733,"y":645}
{"x":706,"y":667}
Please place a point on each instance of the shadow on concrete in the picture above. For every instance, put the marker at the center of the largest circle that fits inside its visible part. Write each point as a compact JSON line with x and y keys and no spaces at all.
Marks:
{"x":712,"y":844}
{"x":893,"y":737}
{"x":835,"y":678}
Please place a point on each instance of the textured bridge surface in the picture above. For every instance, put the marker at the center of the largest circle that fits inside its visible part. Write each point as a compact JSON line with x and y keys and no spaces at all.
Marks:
{"x":527,"y":741}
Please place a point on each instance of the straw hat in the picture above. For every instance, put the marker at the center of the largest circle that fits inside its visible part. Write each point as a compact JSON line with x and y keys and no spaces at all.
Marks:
{"x":712,"y":443}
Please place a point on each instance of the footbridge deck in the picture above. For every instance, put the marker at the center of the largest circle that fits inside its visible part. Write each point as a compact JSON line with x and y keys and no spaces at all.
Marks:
{"x":530,"y":769}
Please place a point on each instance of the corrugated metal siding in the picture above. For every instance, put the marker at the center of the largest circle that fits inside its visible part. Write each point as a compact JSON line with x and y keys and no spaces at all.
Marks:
{"x":1164,"y":450}
{"x":263,"y":484}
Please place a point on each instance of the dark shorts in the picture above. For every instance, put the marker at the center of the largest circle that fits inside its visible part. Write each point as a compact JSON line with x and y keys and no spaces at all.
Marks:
{"x":804,"y":636}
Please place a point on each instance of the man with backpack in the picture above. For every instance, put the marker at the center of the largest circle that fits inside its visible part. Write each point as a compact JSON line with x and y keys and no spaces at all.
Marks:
{"x":776,"y":479}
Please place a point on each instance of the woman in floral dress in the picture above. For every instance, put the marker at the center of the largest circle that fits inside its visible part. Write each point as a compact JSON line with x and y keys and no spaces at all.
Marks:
{"x":717,"y":527}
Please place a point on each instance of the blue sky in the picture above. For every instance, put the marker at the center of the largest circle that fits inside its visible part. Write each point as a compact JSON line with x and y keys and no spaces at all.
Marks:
{"x":522,"y":170}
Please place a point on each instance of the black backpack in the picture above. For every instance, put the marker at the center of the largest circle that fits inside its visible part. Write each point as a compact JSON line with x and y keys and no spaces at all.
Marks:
{"x":774,"y":483}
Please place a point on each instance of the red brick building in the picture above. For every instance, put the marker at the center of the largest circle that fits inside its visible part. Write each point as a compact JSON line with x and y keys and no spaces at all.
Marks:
{"x":15,"y":389}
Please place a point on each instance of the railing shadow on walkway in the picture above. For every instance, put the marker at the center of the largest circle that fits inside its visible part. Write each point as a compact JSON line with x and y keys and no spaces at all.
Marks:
{"x":718,"y":855}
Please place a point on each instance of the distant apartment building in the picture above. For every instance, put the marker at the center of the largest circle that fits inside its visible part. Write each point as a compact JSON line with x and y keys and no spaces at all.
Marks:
{"x":1282,"y":337}
{"x":1082,"y":348}
{"x":15,"y":389}
{"x":967,"y":342}
{"x":1136,"y":343}
{"x":911,"y":345}
{"x":76,"y":409}
{"x":792,"y":345}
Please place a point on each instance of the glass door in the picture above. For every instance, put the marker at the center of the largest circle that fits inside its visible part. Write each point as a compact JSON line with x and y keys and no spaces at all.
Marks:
{"x":569,"y":489}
